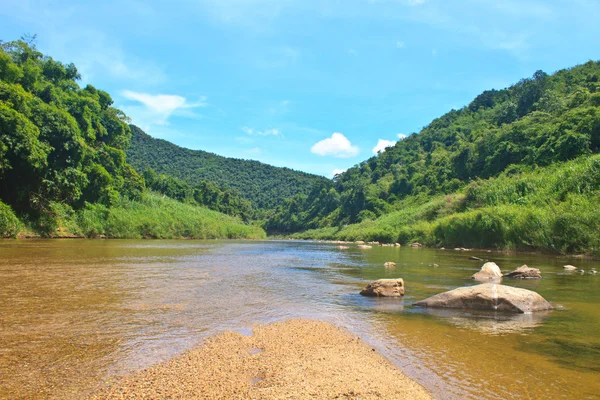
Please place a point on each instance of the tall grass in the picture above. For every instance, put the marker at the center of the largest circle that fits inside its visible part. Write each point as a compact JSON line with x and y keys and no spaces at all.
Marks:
{"x":154,"y":217}
{"x":554,"y":209}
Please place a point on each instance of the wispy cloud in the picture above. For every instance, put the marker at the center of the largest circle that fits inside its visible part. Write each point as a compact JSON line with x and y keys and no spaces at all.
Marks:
{"x":401,"y":136}
{"x":266,"y":132}
{"x":382,"y":144}
{"x":399,"y":44}
{"x":157,"y":109}
{"x":352,"y":52}
{"x":337,"y":145}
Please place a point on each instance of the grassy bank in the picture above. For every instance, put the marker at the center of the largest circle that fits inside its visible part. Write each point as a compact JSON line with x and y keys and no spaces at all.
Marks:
{"x":154,"y":217}
{"x":553,"y":209}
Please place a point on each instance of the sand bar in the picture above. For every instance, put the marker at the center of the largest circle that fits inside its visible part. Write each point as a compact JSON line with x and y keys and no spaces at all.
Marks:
{"x":295,"y":359}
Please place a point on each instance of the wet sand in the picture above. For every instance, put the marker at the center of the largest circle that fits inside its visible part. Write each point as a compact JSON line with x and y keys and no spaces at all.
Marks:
{"x":295,"y":359}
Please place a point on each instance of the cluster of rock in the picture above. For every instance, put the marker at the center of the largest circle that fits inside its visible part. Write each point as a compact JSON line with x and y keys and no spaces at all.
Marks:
{"x":491,"y":296}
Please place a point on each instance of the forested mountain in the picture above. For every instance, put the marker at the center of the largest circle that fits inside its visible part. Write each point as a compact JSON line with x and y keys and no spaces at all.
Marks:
{"x":63,"y":161}
{"x":511,"y":132}
{"x":264,"y":185}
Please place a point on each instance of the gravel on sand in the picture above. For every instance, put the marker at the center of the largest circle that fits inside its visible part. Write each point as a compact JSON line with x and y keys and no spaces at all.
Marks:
{"x":295,"y":359}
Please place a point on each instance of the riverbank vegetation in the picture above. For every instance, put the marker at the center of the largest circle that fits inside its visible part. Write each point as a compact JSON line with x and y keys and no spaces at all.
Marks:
{"x":551,"y":209}
{"x":513,"y":169}
{"x":63,"y":162}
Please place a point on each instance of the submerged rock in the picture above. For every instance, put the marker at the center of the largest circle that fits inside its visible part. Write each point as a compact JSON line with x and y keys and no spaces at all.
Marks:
{"x":488,"y":271}
{"x":524,"y":272}
{"x":389,"y":264}
{"x":475,"y":258}
{"x":343,"y":247}
{"x":384,"y":288}
{"x":364,"y":246}
{"x":488,"y":296}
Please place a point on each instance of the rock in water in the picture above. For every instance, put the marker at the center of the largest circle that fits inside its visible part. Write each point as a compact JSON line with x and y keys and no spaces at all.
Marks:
{"x":389,"y":264}
{"x":488,"y":296}
{"x":489,"y":271}
{"x":475,"y":258}
{"x":524,"y":272}
{"x":569,"y":268}
{"x":384,"y":288}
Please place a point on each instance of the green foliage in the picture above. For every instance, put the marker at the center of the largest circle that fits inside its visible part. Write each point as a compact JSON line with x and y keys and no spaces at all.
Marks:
{"x":538,"y":122}
{"x":552,"y":209}
{"x":153,"y":216}
{"x":9,"y":223}
{"x":58,"y":143}
{"x":264,"y":185}
{"x":158,"y":217}
{"x":63,"y":164}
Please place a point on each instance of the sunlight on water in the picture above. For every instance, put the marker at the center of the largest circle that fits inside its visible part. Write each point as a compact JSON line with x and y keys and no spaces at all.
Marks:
{"x":75,"y":314}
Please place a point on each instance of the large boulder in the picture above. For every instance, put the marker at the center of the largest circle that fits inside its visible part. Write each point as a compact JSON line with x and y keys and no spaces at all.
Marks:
{"x":488,"y":296}
{"x":384,"y":288}
{"x":524,"y":272}
{"x":569,"y":268}
{"x":489,"y":271}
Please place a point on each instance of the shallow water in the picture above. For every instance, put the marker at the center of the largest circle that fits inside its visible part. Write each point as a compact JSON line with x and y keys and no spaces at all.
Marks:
{"x":75,"y":314}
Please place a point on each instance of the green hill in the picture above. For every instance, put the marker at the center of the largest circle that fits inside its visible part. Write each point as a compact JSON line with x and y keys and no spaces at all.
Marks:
{"x":264,"y":185}
{"x":64,"y":170}
{"x":510,"y":144}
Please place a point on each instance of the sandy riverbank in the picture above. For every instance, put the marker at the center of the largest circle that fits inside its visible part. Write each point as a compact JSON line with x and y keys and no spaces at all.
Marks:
{"x":296,"y":359}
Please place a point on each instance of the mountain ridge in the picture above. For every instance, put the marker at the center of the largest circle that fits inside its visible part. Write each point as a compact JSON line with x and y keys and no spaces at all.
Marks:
{"x":266,"y":186}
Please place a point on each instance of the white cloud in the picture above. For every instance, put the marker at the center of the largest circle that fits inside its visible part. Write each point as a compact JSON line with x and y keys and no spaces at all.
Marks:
{"x":267,"y":132}
{"x":337,"y":171}
{"x":337,"y":145}
{"x":399,"y":44}
{"x":401,"y":136}
{"x":159,"y":107}
{"x":382,"y":144}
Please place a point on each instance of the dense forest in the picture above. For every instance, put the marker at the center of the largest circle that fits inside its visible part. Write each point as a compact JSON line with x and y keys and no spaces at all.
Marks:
{"x":63,"y":160}
{"x":265,"y":186}
{"x":474,"y":174}
{"x":516,"y":168}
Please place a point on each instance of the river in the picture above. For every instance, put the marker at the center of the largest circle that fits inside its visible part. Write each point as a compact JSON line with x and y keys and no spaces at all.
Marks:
{"x":75,"y":314}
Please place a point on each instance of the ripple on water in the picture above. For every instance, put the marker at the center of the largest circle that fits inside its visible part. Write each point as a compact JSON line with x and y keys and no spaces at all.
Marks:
{"x":75,"y":312}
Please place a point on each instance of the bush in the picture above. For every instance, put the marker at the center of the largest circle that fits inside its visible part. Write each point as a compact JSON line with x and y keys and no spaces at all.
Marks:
{"x":9,"y":223}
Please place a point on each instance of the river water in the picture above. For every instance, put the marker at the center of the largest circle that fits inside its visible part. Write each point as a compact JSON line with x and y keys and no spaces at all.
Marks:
{"x":75,"y":314}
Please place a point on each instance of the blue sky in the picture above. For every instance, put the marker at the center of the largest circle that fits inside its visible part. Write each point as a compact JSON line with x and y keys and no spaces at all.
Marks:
{"x":311,"y":85}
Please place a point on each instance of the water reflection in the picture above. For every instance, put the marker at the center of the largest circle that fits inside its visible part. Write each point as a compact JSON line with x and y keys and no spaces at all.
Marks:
{"x":490,"y":323}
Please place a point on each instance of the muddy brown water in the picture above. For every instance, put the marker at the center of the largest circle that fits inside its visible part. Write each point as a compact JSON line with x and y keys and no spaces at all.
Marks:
{"x":75,"y":314}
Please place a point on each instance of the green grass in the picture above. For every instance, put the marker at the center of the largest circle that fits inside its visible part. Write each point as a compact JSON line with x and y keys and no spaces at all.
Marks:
{"x":154,"y":217}
{"x":552,"y":209}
